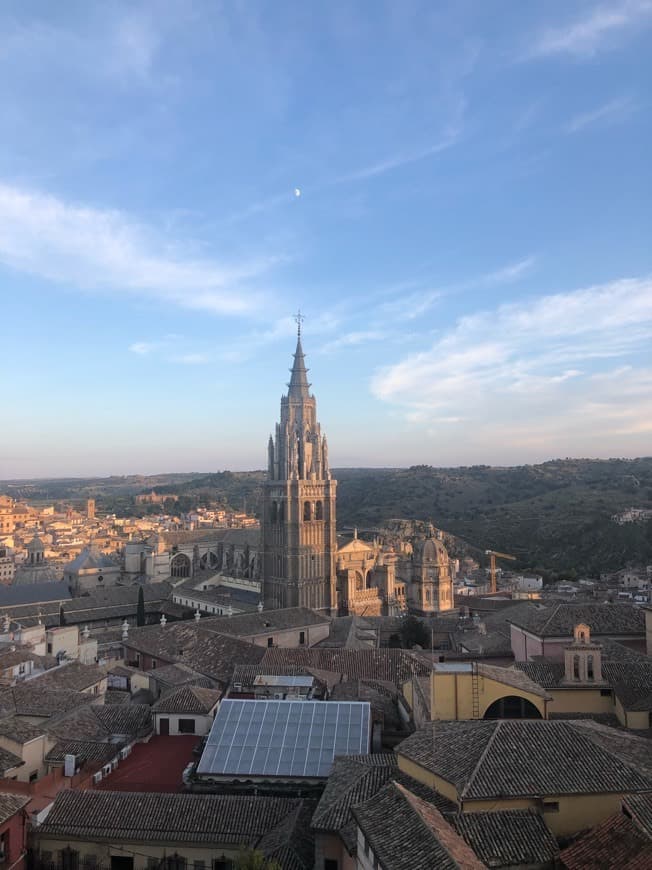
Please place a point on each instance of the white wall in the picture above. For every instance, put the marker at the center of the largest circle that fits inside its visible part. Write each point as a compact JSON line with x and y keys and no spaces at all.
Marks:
{"x":202,"y":723}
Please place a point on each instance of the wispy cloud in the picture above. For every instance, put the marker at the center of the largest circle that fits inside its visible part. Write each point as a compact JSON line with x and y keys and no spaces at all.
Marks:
{"x":389,"y":164}
{"x":191,"y":359}
{"x":143,"y":348}
{"x":511,"y":272}
{"x":534,"y":365}
{"x":610,"y":112}
{"x":352,"y":339}
{"x":585,"y":36}
{"x":102,"y":250}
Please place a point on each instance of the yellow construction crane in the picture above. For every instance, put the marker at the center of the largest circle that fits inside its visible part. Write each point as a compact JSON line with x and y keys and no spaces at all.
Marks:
{"x":493,"y":554}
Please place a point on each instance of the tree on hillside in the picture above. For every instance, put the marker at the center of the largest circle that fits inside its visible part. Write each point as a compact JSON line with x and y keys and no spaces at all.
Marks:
{"x":413,"y":632}
{"x":140,"y":609}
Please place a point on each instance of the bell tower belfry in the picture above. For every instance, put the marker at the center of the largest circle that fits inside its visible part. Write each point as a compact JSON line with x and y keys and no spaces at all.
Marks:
{"x":298,"y":523}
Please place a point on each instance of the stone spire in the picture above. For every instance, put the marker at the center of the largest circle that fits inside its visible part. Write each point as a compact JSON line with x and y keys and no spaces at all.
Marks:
{"x":299,"y":386}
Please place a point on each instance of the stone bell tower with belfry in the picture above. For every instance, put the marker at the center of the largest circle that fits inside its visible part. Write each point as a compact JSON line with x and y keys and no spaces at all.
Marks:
{"x":298,"y":524}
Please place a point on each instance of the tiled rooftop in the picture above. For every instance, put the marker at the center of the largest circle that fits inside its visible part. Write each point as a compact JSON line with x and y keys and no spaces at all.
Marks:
{"x":188,"y":699}
{"x":10,"y":804}
{"x":519,"y":758}
{"x":616,"y":842}
{"x":73,"y":676}
{"x":422,"y":840}
{"x":393,"y":665}
{"x":357,"y":778}
{"x":508,"y":838}
{"x":209,"y":820}
{"x":603,"y":619}
{"x":8,"y":761}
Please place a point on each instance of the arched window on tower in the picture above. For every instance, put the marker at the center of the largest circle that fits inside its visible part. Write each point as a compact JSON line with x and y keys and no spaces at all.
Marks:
{"x":307,"y":512}
{"x":576,"y":667}
{"x":319,"y":511}
{"x":590,"y":673}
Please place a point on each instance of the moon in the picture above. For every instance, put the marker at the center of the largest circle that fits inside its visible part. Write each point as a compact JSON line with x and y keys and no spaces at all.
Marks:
{"x":297,"y":191}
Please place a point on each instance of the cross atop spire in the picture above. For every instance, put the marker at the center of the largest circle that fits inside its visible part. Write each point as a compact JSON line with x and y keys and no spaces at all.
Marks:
{"x":299,"y":317}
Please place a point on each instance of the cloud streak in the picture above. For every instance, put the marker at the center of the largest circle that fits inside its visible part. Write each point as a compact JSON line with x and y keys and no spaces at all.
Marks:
{"x":106,"y":250}
{"x":612,"y":111}
{"x":585,"y":36}
{"x":535,"y":365}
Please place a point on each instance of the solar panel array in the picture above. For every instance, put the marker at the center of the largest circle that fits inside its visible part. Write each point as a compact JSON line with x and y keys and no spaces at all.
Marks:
{"x":284,"y":738}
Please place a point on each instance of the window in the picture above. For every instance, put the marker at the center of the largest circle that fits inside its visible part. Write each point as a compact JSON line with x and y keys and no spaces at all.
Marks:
{"x":153,"y":664}
{"x":222,"y":864}
{"x":307,"y":512}
{"x":551,"y":806}
{"x":302,"y":638}
{"x":69,"y":859}
{"x":175,"y":862}
{"x":270,"y":641}
{"x":319,"y":511}
{"x":50,"y":648}
{"x":199,"y":865}
{"x":605,"y":693}
{"x":576,"y":667}
{"x":366,"y":845}
{"x":186,"y":726}
{"x":330,"y":864}
{"x":33,"y":776}
{"x":589,"y":668}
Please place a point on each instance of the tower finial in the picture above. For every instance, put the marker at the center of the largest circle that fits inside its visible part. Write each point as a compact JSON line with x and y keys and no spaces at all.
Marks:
{"x":299,"y":317}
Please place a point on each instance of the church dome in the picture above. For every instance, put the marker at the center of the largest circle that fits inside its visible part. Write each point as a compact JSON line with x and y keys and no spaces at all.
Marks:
{"x":35,"y":545}
{"x":430,"y":550}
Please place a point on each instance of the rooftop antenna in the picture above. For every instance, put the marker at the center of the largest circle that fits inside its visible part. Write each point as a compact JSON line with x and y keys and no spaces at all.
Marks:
{"x":299,"y":317}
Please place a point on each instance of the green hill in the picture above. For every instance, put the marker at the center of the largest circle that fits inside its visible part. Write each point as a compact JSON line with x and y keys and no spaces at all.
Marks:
{"x":555,"y":517}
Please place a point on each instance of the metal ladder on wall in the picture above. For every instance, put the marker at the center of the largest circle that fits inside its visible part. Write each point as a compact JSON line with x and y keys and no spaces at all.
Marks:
{"x":475,"y":691}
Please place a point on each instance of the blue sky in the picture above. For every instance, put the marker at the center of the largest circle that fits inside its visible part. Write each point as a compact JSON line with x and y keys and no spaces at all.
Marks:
{"x":471,"y":244}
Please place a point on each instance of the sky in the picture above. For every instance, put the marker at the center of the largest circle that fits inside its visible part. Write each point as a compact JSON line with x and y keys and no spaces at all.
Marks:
{"x":458,"y":198}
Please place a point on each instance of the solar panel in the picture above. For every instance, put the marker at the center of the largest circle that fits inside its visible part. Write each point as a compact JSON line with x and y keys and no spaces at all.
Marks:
{"x":284,"y":738}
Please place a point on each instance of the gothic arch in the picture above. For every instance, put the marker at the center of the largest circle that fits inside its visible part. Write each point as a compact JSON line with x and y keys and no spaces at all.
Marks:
{"x":319,"y":510}
{"x":512,"y":707}
{"x":307,"y":511}
{"x":180,"y":565}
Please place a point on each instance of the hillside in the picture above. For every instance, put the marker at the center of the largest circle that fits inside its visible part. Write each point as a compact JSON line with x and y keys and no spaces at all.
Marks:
{"x":555,"y":517}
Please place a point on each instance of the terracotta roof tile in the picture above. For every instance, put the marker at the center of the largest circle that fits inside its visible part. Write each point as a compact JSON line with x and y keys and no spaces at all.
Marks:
{"x":421,"y":841}
{"x":616,"y":842}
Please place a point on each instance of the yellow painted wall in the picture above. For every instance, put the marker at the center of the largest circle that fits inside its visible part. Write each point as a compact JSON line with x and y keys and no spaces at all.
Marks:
{"x":576,"y":812}
{"x":32,"y":753}
{"x":427,"y":778}
{"x":579,"y":701}
{"x":408,"y":693}
{"x":452,"y":695}
{"x":140,"y":852}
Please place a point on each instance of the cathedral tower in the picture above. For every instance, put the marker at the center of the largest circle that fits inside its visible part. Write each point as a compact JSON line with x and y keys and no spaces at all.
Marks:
{"x":298,"y":523}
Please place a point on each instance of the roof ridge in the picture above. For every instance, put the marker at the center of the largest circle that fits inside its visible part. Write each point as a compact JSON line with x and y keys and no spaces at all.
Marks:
{"x":547,"y":622}
{"x":483,"y":755}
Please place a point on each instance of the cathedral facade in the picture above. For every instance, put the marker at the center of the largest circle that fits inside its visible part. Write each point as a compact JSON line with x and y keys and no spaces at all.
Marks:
{"x":301,"y":562}
{"x":299,"y":543}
